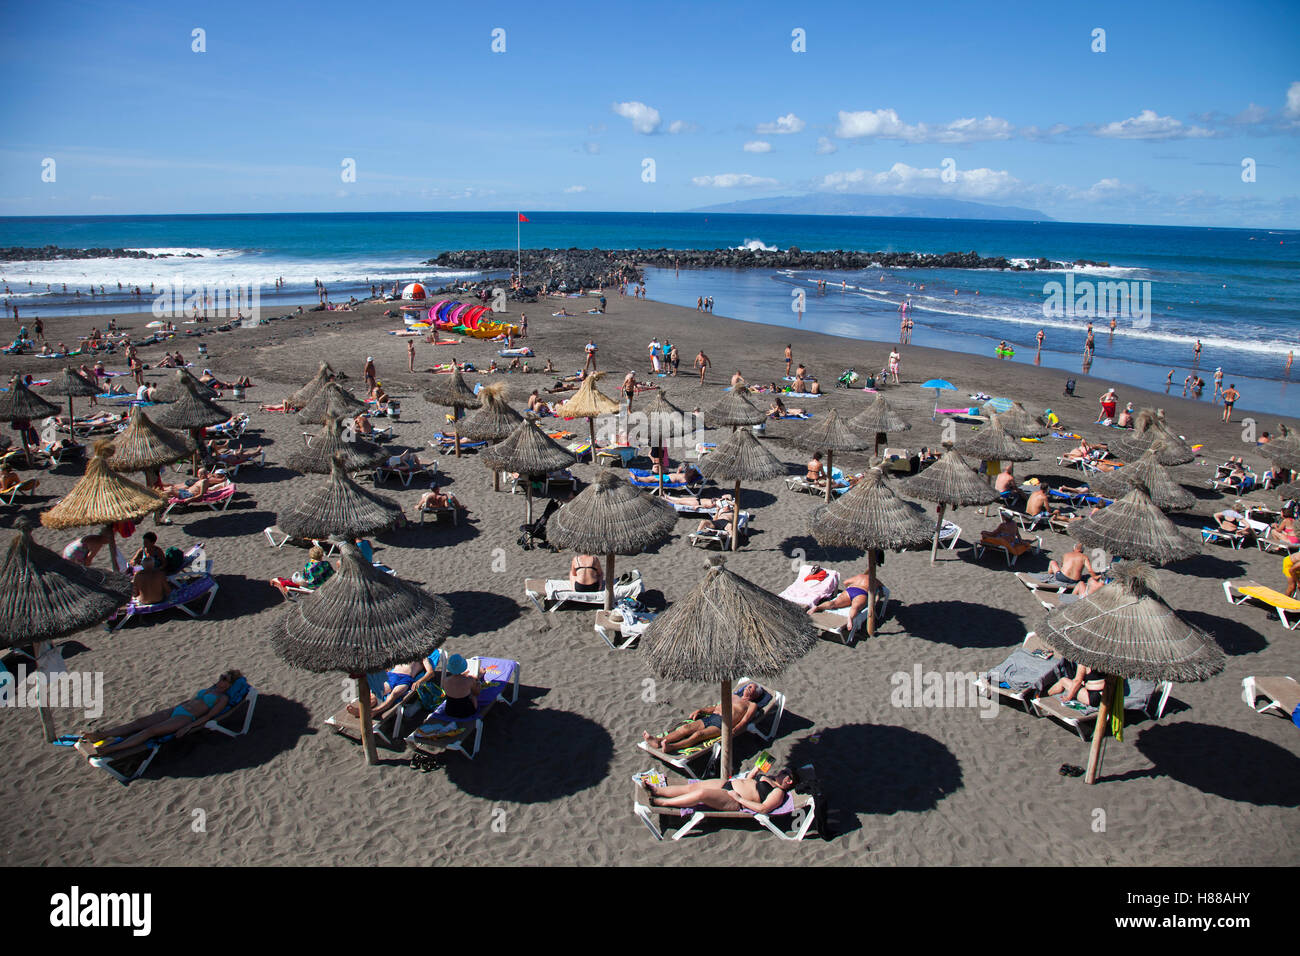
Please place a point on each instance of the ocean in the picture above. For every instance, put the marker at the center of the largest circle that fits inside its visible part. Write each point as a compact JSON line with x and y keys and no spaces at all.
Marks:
{"x":1165,"y":287}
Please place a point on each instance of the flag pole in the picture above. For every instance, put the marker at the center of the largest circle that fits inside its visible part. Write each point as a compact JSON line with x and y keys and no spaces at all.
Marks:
{"x":519,"y":270}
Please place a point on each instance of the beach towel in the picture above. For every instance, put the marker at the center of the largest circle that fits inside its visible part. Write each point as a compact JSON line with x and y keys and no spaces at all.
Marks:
{"x":807,"y":592}
{"x":1024,"y":671}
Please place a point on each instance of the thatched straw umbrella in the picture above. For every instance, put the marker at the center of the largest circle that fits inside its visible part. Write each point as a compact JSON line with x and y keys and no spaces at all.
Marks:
{"x":1289,"y":491}
{"x":146,"y":446}
{"x":1284,"y":452}
{"x":333,"y":399}
{"x":492,"y":422}
{"x":830,"y":433}
{"x":992,"y":443}
{"x":453,"y":393}
{"x":870,"y":516}
{"x":339,"y":507}
{"x":1017,"y":421}
{"x":666,"y":422}
{"x":191,"y":411}
{"x":609,"y":517}
{"x":324,"y":375}
{"x":329,"y":444}
{"x":879,"y":418}
{"x":43,"y":597}
{"x":71,"y":383}
{"x":361,"y":620}
{"x":20,"y":403}
{"x":1163,"y":489}
{"x":950,"y":483}
{"x":1126,"y":630}
{"x":102,"y":496}
{"x":1133,"y":527}
{"x":590,"y":403}
{"x":741,"y":458}
{"x":1147,"y":428}
{"x":174,"y":389}
{"x":529,"y":451}
{"x":733,"y":410}
{"x":727,"y":627}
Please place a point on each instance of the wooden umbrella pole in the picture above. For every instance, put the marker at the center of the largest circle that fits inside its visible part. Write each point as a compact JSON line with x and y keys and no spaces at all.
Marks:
{"x":609,"y":582}
{"x":871,"y":592}
{"x":496,"y":480}
{"x":528,"y":493}
{"x":724,"y":758}
{"x":735,"y":517}
{"x":591,"y":424}
{"x":196,"y":434}
{"x":367,"y":731}
{"x":71,"y":420}
{"x":112,"y":547}
{"x":455,"y":427}
{"x":43,"y":706}
{"x":938,"y":526}
{"x":830,"y":479}
{"x":1100,"y":731}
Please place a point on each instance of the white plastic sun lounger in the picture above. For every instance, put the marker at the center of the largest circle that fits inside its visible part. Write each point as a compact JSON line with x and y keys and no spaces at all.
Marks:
{"x":1079,"y":718}
{"x":558,"y":592}
{"x":1281,"y":695}
{"x":771,"y":708}
{"x":800,"y":807}
{"x":1288,"y":609}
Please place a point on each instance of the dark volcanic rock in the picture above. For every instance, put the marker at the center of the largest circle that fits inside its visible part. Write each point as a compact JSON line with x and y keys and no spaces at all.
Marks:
{"x":46,"y":253}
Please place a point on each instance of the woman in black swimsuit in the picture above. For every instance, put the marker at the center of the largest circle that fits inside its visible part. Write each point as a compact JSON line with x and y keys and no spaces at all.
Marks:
{"x":759,"y":792}
{"x":585,"y":574}
{"x":1086,"y":687}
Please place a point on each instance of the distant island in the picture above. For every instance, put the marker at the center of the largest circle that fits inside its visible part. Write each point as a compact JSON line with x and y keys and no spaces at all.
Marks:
{"x":845,"y":204}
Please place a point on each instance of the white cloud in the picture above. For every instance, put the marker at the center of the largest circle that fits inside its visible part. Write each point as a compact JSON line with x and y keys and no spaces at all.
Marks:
{"x":575,"y":189}
{"x":758,"y":146}
{"x":681,"y":126}
{"x":645,"y":119}
{"x":789,"y":123}
{"x":1034,"y":133}
{"x":904,"y":180}
{"x":732,"y":180}
{"x":825,"y":147}
{"x":1148,"y":125}
{"x":1292,"y":108}
{"x":591,"y":148}
{"x":886,"y":124}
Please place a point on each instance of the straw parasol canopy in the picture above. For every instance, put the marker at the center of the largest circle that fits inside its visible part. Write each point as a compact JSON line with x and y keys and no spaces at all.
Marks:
{"x":453,"y":393}
{"x":174,"y":389}
{"x":1284,"y":452}
{"x":102,"y":496}
{"x":1133,"y":527}
{"x":1289,"y":491}
{"x":191,"y":410}
{"x":740,"y":458}
{"x":879,"y":418}
{"x":725,"y":628}
{"x":73,"y":384}
{"x":830,"y":433}
{"x":329,"y":444}
{"x":1126,"y":630}
{"x":495,"y":419}
{"x":1017,"y":421}
{"x":19,"y":403}
{"x":611,"y":516}
{"x":994,"y":443}
{"x":1164,"y":490}
{"x":870,"y":516}
{"x":666,"y":422}
{"x":332,"y":399}
{"x":529,"y":451}
{"x":361,"y":620}
{"x":733,"y":410}
{"x":1149,"y":426}
{"x":43,"y":596}
{"x":324,"y":375}
{"x":950,"y":483}
{"x":146,"y":446}
{"x":339,"y":507}
{"x":590,"y":403}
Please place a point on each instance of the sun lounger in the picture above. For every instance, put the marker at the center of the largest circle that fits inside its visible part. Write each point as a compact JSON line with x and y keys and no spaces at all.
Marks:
{"x":708,"y":537}
{"x":949,"y":535}
{"x":22,"y":488}
{"x":1012,"y":552}
{"x":801,"y":483}
{"x":180,"y":598}
{"x":1027,"y":672}
{"x":218,"y":500}
{"x":1028,"y":522}
{"x":644,"y":479}
{"x":618,"y":623}
{"x":439,"y":511}
{"x":241,"y":697}
{"x":1281,"y":695}
{"x":273,"y":533}
{"x":838,"y":624}
{"x":230,"y":429}
{"x":454,"y":733}
{"x":558,"y":591}
{"x":1234,"y":539}
{"x":771,"y":708}
{"x":1288,"y":609}
{"x":1141,"y":696}
{"x":446,"y":444}
{"x":615,"y":455}
{"x":405,"y":472}
{"x":1267,"y":544}
{"x":1044,"y":581}
{"x":398,"y":721}
{"x":806,"y":593}
{"x":799,"y":807}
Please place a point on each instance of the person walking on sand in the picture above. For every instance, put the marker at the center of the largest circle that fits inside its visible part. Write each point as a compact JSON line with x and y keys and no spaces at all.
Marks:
{"x":1218,"y":384}
{"x":789,"y":357}
{"x":369,"y":374}
{"x":629,"y":389}
{"x":699,"y":304}
{"x":1196,"y":352}
{"x":1041,"y":335}
{"x":702,"y":363}
{"x":590,"y":349}
{"x":410,"y":354}
{"x":1230,"y":396}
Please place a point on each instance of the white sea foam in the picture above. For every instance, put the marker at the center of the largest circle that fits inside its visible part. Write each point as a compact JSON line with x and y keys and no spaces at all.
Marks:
{"x":757,"y":245}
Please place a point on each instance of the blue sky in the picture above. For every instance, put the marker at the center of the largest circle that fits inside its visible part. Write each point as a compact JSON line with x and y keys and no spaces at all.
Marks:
{"x":1154,"y":129}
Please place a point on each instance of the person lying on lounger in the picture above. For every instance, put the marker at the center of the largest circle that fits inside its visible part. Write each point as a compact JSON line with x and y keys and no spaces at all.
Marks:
{"x":722,"y":517}
{"x":1008,"y":535}
{"x":759,"y":792}
{"x":149,"y":585}
{"x":705,"y":723}
{"x":223,"y":455}
{"x":1084,"y":451}
{"x":314,"y":573}
{"x":201,"y":485}
{"x":190,"y":714}
{"x":685,"y":473}
{"x":1038,"y":503}
{"x":438,"y":499}
{"x":700,"y":504}
{"x":1231,"y":521}
{"x":854,"y":596}
{"x":10,"y":479}
{"x":398,"y":683}
{"x":210,"y":380}
{"x":1085,"y":686}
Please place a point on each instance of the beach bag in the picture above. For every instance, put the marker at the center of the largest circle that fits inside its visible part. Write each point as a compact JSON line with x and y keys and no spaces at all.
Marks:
{"x":173,"y":560}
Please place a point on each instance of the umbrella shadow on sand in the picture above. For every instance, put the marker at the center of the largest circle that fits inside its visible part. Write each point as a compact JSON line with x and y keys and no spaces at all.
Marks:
{"x":1234,"y":637}
{"x":480,"y":612}
{"x":1209,"y":566}
{"x":266,"y":475}
{"x":961,"y":623}
{"x":1244,"y":768}
{"x":238,"y":596}
{"x":232,"y":523}
{"x":815,"y":552}
{"x":550,"y":754}
{"x":878,"y":769}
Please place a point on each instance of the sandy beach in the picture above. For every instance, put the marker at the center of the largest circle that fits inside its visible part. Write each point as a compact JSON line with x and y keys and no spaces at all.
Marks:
{"x":1210,"y":783}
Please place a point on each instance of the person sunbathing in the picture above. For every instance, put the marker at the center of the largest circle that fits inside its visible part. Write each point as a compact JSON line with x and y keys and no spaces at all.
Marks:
{"x":1005,"y":483}
{"x":1073,"y":566}
{"x":761,"y":793}
{"x":1085,"y":686}
{"x":685,"y":473}
{"x":314,"y":573}
{"x":398,"y":684}
{"x":207,"y":378}
{"x":705,"y":723}
{"x":816,"y":471}
{"x":460,"y":689}
{"x":854,"y":596}
{"x":196,"y":489}
{"x":697,"y":503}
{"x":1083,"y":451}
{"x":361,"y":425}
{"x":1231,"y":521}
{"x":10,"y":479}
{"x":438,"y":499}
{"x":722,"y":518}
{"x":378,"y":395}
{"x":149,"y":585}
{"x":149,"y":549}
{"x":1236,"y":478}
{"x":585,"y":573}
{"x":1284,"y":531}
{"x":190,"y":714}
{"x":1008,"y":534}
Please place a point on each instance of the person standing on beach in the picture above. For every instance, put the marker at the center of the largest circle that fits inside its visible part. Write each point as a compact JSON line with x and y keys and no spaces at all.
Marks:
{"x":410,"y":354}
{"x":1230,"y":396}
{"x":654,"y":348}
{"x":629,"y":389}
{"x":699,"y":305}
{"x":523,"y":326}
{"x":1041,"y":335}
{"x":1187,"y":383}
{"x":39,"y":327}
{"x":1218,"y":383}
{"x":674,"y":359}
{"x":1197,"y":352}
{"x":590,"y":349}
{"x":369,"y":373}
{"x":789,"y":357}
{"x":1169,"y":381}
{"x":702,"y":363}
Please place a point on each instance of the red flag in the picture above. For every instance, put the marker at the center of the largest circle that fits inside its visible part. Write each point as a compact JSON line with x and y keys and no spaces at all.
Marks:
{"x":522,"y":217}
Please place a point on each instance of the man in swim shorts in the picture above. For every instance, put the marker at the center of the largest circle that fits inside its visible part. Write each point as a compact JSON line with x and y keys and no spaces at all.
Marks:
{"x":705,"y":723}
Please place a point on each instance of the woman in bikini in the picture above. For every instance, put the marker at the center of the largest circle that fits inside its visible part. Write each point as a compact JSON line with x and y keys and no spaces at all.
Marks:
{"x":759,"y":792}
{"x":1086,"y":687}
{"x":179,"y":720}
{"x":585,"y":573}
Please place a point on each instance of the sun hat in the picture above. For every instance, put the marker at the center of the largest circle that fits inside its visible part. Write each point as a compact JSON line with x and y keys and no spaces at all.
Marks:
{"x":456,"y":664}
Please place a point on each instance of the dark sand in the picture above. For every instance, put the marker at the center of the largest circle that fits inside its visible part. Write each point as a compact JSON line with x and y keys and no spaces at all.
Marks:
{"x":1210,"y":783}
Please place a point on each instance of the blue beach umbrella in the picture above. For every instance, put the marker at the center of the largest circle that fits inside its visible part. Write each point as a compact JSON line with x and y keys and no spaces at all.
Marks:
{"x":938,"y":384}
{"x":999,"y":405}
